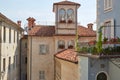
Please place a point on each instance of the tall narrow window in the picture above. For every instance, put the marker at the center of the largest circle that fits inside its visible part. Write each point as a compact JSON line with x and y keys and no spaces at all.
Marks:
{"x":42,"y":75}
{"x":70,"y":13}
{"x":14,"y":36}
{"x":10,"y":35}
{"x":4,"y":34}
{"x":4,"y":64}
{"x":62,"y":15}
{"x":17,"y":37}
{"x":9,"y":66}
{"x":107,"y":4}
{"x":107,"y":30}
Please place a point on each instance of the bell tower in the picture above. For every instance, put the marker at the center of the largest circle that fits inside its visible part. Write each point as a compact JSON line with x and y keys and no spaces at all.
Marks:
{"x":65,"y":17}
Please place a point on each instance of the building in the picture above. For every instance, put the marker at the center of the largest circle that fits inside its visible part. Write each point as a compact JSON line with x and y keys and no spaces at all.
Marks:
{"x":108,"y":16}
{"x":10,"y":34}
{"x":66,"y":65}
{"x":102,"y":66}
{"x":23,"y":56}
{"x":45,"y":41}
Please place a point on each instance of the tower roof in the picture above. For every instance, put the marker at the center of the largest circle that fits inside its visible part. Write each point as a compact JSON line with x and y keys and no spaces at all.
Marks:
{"x":66,"y":3}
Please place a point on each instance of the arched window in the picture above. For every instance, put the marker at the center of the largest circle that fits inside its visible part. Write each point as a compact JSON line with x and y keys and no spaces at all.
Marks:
{"x":101,"y":76}
{"x":70,"y":14}
{"x":62,"y":14}
{"x":61,"y":44}
{"x":70,"y":44}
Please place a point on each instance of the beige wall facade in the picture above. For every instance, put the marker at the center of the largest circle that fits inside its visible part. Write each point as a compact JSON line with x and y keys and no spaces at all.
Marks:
{"x":66,"y":70}
{"x":38,"y":62}
{"x":10,"y":49}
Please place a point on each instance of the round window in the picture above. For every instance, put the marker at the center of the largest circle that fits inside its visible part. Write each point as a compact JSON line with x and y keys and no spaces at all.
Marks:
{"x":102,"y":76}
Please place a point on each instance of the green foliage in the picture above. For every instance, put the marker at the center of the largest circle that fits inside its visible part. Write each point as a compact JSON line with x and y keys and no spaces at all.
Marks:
{"x":105,"y":39}
{"x":99,"y":43}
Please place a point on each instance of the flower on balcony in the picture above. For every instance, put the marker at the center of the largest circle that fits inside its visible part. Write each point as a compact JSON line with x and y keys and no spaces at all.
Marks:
{"x":61,"y":46}
{"x":62,"y":21}
{"x":114,"y":40}
{"x":70,"y":21}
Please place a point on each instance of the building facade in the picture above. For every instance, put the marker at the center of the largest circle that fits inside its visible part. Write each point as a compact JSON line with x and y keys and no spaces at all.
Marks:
{"x":10,"y":34}
{"x":108,"y":16}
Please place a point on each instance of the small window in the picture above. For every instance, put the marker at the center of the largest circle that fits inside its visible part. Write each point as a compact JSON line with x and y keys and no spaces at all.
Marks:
{"x":70,"y":14}
{"x":107,"y":4}
{"x":42,"y":75}
{"x":4,"y":64}
{"x":26,"y":45}
{"x":62,"y":15}
{"x":25,"y":60}
{"x":43,"y":49}
{"x":61,"y":44}
{"x":70,"y":44}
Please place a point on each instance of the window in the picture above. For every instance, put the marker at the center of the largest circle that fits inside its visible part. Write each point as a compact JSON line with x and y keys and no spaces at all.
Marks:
{"x":4,"y":34}
{"x":62,"y":15}
{"x":25,"y":44}
{"x":10,"y":35}
{"x":108,"y":29}
{"x":61,"y":44}
{"x":9,"y":63}
{"x":42,"y":75}
{"x":25,"y":60}
{"x":14,"y":36}
{"x":4,"y":64}
{"x":17,"y":37}
{"x":107,"y":4}
{"x":102,"y":76}
{"x":70,"y":13}
{"x":70,"y":44}
{"x":43,"y":49}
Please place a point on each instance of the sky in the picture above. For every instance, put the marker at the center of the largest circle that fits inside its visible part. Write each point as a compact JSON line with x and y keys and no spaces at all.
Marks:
{"x":41,"y":10}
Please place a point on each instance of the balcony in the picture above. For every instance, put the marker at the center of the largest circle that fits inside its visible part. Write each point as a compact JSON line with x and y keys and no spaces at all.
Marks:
{"x":109,"y":49}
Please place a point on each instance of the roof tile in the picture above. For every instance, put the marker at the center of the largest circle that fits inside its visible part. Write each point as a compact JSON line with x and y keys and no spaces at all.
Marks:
{"x":68,"y":54}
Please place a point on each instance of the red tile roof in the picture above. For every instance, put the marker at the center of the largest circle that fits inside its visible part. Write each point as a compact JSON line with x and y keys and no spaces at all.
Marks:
{"x":83,"y":31}
{"x":68,"y":55}
{"x":66,"y":3}
{"x":40,"y":30}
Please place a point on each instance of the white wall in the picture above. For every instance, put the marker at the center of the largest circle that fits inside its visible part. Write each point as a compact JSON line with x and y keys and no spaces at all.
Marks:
{"x":83,"y":67}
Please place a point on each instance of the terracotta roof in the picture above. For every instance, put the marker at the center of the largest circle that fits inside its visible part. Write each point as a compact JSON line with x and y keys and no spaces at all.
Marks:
{"x":83,"y":31}
{"x":42,"y":31}
{"x":68,"y":55}
{"x":66,"y":3}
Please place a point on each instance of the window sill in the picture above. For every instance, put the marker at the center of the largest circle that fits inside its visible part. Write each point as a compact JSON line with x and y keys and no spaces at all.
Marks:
{"x":107,"y":10}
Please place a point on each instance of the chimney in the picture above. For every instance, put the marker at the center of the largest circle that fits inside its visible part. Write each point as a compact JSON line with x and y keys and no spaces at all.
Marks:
{"x":90,"y":26}
{"x":19,"y":23}
{"x":31,"y":22}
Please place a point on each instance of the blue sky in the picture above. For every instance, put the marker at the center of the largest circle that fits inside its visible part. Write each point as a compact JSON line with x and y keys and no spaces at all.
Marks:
{"x":41,"y":10}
